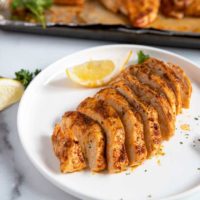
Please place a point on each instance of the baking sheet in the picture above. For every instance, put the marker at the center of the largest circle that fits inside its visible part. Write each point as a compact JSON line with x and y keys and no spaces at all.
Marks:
{"x":64,"y":21}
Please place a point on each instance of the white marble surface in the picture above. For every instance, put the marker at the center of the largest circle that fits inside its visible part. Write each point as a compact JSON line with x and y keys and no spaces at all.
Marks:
{"x":18,"y":178}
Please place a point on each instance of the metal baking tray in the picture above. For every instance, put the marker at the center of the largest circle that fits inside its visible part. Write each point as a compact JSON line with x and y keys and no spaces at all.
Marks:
{"x":118,"y":33}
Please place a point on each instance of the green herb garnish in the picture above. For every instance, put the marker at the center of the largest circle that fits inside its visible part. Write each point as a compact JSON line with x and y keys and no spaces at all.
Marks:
{"x":35,"y":7}
{"x":142,"y":57}
{"x":25,"y":76}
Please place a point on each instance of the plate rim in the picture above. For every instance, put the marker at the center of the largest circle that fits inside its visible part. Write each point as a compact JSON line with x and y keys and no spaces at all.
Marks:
{"x":71,"y":191}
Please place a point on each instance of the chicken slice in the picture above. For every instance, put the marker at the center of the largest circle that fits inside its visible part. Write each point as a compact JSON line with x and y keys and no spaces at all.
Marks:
{"x":167,"y":74}
{"x":67,"y":149}
{"x":113,"y":5}
{"x":116,"y":6}
{"x":145,"y":76}
{"x":186,"y":86}
{"x":175,"y":8}
{"x":193,"y":9}
{"x":165,"y":115}
{"x":90,"y":137}
{"x":108,"y":118}
{"x":142,"y":12}
{"x":135,"y":144}
{"x":149,"y":116}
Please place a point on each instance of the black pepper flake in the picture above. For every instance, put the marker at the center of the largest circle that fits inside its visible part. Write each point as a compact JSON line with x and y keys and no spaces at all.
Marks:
{"x":181,"y":142}
{"x":149,"y":196}
{"x":198,"y":168}
{"x":196,"y":118}
{"x":128,"y":173}
{"x":186,"y":136}
{"x":194,"y":145}
{"x":199,"y":140}
{"x":145,"y":170}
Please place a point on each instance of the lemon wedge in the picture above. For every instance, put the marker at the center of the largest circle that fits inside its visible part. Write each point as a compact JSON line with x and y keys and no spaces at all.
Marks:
{"x":94,"y":73}
{"x":126,"y":60}
{"x":10,"y":92}
{"x":97,"y":73}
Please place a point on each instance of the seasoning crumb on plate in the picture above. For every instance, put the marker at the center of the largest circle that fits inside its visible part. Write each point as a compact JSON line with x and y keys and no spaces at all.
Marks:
{"x":185,"y":127}
{"x":158,"y":162}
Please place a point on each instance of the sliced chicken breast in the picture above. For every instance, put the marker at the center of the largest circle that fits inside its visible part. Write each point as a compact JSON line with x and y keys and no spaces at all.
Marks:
{"x":148,"y":115}
{"x":165,"y":115}
{"x":145,"y":76}
{"x":135,"y":144}
{"x":186,"y":86}
{"x":167,"y":74}
{"x":108,"y":118}
{"x":90,"y":137}
{"x":67,"y":149}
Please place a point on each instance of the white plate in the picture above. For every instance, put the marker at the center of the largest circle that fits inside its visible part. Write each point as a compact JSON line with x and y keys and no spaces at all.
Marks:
{"x":51,"y":94}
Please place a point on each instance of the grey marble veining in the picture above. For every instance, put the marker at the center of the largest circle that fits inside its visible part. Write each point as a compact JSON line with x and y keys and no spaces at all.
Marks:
{"x":18,"y":178}
{"x":7,"y":158}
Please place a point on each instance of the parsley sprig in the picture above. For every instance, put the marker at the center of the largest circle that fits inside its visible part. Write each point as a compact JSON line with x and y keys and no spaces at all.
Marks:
{"x":36,"y":7}
{"x":142,"y":57}
{"x":25,"y":76}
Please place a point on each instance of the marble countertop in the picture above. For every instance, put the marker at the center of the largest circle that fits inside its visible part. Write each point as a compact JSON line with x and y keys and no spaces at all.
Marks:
{"x":19,"y":180}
